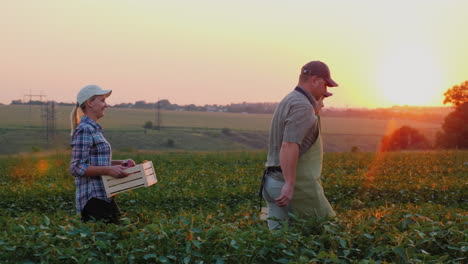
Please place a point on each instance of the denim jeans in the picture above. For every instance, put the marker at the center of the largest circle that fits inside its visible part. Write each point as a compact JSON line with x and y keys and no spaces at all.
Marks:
{"x":272,"y":190}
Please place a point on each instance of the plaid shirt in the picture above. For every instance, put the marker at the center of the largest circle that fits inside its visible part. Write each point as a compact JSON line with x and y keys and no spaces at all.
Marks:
{"x":89,"y":148}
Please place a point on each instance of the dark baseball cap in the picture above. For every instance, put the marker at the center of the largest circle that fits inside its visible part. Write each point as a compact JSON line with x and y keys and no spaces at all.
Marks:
{"x":319,"y":69}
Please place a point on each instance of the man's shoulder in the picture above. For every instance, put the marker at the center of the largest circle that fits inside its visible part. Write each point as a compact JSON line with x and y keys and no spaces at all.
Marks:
{"x":295,"y":100}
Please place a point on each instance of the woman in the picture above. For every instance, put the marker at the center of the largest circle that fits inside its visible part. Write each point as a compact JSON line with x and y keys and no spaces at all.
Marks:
{"x":92,"y":157}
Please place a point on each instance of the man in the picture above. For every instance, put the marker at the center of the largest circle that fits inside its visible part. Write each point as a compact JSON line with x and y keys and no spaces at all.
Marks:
{"x":291,"y":182}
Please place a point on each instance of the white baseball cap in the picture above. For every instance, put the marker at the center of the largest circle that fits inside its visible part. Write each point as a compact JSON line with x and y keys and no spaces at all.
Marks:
{"x":89,"y":91}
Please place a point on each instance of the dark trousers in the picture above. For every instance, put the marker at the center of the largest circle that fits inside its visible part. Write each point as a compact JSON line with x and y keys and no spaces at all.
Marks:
{"x":97,"y":209}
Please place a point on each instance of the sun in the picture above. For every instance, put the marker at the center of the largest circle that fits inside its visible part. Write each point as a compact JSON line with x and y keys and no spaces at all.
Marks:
{"x":410,"y":75}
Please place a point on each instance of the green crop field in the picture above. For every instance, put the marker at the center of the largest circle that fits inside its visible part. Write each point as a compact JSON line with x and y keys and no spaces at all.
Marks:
{"x":20,"y":116}
{"x":408,"y":207}
{"x":21,"y":130}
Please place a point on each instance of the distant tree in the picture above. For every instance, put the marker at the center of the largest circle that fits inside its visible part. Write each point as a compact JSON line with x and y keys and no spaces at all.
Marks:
{"x":141,"y":104}
{"x":454,"y":129}
{"x":163,"y":103}
{"x":454,"y":132}
{"x":226,"y":131}
{"x":404,"y":138}
{"x":170,"y":142}
{"x":355,"y":149}
{"x":191,"y":107}
{"x":124,"y":105}
{"x":457,"y":95}
{"x":148,"y":125}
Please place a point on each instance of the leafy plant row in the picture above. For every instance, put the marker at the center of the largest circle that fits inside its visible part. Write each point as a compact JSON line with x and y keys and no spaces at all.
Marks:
{"x":392,"y":208}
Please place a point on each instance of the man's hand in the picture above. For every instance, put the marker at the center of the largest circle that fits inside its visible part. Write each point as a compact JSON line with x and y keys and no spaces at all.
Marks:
{"x":286,"y":195}
{"x":117,"y":172}
{"x":319,"y":105}
{"x":289,"y":154}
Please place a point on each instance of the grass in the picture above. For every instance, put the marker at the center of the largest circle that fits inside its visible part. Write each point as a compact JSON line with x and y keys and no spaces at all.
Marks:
{"x":22,"y":131}
{"x":17,"y":116}
{"x":406,"y":207}
{"x":174,"y":139}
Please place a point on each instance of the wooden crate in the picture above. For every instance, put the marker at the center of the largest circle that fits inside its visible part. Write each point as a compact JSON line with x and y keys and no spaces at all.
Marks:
{"x":142,"y":175}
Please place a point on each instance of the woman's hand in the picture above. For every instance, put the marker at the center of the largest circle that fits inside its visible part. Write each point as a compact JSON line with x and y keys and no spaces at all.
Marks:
{"x":117,"y":171}
{"x":128,"y":163}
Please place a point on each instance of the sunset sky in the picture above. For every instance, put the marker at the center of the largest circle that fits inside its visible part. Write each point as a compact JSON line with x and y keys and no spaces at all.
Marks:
{"x":382,"y":53}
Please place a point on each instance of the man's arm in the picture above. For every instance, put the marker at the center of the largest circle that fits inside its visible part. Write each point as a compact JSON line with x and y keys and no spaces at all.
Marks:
{"x":289,"y":155}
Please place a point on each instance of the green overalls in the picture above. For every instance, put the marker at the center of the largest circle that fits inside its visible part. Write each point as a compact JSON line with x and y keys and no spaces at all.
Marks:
{"x":309,"y":198}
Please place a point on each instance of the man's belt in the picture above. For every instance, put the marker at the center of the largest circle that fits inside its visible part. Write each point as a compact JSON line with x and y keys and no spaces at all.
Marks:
{"x":274,"y":169}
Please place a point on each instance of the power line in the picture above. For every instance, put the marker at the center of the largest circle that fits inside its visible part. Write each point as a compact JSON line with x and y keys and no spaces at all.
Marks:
{"x":49,"y":118}
{"x":48,"y":114}
{"x":31,"y":96}
{"x":158,"y":115}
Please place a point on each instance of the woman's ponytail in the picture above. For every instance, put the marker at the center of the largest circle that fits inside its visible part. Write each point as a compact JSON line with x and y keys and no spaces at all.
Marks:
{"x":75,"y":118}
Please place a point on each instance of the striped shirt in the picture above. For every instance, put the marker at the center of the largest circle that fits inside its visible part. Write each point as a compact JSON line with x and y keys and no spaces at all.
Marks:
{"x":89,"y":148}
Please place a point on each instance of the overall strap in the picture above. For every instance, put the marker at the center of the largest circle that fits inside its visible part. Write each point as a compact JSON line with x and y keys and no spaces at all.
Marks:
{"x":299,"y":89}
{"x":319,"y":126}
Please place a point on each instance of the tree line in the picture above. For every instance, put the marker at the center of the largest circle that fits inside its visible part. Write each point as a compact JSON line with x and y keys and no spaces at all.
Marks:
{"x":165,"y":104}
{"x":399,"y":112}
{"x":454,"y":133}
